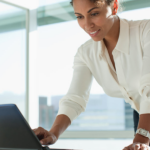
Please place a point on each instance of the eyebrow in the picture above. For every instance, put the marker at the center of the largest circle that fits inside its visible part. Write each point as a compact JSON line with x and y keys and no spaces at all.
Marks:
{"x":88,"y":11}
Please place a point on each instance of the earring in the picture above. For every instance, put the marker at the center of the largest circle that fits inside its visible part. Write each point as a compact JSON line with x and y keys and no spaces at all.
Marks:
{"x":114,"y":11}
{"x":115,"y":7}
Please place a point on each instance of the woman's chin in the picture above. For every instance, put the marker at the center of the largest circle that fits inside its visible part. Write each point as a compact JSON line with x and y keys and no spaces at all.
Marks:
{"x":96,"y":39}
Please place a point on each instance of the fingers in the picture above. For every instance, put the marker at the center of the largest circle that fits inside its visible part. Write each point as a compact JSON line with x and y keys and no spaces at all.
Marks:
{"x":129,"y":147}
{"x":39,"y":131}
{"x":137,"y":147}
{"x":141,"y":147}
{"x":47,"y":141}
{"x":144,"y":147}
{"x":44,"y":136}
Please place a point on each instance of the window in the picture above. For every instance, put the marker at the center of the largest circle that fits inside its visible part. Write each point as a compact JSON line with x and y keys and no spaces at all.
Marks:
{"x":13,"y":56}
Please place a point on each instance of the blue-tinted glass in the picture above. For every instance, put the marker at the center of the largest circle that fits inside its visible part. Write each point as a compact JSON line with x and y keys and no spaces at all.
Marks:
{"x":13,"y":56}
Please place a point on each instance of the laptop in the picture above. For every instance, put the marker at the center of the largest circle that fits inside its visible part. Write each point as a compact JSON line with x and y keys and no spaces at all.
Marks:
{"x":15,"y":132}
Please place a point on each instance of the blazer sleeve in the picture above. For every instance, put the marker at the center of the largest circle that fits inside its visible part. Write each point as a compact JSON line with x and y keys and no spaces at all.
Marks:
{"x":144,"y":89}
{"x":75,"y":101}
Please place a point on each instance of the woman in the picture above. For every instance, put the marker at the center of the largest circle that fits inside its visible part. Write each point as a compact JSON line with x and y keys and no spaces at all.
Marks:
{"x":118,"y":57}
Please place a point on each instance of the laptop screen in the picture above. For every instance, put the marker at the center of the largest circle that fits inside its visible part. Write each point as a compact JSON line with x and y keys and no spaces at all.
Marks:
{"x":15,"y":149}
{"x":15,"y":131}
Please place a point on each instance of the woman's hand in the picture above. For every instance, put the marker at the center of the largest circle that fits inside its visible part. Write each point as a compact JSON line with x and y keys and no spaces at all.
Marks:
{"x":137,"y":146}
{"x":45,"y":136}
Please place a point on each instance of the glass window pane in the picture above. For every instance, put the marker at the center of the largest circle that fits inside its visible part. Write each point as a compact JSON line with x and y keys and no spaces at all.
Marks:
{"x":13,"y":56}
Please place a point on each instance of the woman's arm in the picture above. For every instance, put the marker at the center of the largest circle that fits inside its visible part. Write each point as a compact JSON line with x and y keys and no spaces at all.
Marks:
{"x":76,"y":99}
{"x":72,"y":104}
{"x":144,"y":123}
{"x":50,"y":137}
{"x":144,"y":90}
{"x":60,"y":125}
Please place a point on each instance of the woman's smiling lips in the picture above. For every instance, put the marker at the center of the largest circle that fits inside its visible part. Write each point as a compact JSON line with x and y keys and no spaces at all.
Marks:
{"x":93,"y":34}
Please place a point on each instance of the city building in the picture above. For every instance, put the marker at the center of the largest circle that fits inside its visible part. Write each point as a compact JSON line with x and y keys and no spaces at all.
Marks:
{"x":102,"y":113}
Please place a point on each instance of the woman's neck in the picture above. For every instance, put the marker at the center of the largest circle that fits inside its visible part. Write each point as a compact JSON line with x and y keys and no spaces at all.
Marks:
{"x":112,"y":37}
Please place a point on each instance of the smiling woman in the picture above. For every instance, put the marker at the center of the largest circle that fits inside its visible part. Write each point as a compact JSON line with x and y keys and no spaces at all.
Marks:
{"x":117,"y":56}
{"x":97,"y":18}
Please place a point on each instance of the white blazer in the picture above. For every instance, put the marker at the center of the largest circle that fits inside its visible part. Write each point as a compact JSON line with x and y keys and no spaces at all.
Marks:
{"x":130,"y":81}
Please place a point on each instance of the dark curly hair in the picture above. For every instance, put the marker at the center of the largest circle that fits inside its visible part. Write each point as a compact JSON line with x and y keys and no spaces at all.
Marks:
{"x":109,"y":2}
{"x":94,"y":1}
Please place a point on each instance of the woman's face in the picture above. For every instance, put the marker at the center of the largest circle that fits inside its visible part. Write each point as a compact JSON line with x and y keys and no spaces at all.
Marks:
{"x":94,"y":20}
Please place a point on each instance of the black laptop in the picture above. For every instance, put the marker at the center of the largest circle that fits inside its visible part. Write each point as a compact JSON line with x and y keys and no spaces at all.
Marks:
{"x":15,"y":132}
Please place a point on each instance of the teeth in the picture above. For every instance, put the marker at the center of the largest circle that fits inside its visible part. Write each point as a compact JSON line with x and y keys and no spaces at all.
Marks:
{"x":93,"y":32}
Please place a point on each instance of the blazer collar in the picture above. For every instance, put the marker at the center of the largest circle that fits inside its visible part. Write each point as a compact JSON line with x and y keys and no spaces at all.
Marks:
{"x":123,"y":41}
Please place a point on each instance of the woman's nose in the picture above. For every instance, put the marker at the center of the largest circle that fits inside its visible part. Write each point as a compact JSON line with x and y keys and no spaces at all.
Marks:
{"x":88,"y":24}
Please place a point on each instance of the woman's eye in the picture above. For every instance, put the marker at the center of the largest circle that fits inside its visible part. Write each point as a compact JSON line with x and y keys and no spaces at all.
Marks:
{"x":94,"y":14}
{"x":79,"y":17}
